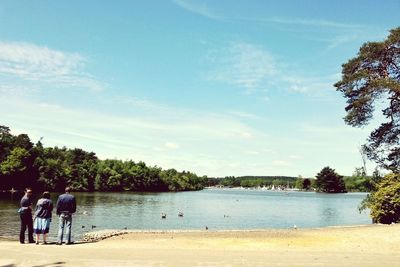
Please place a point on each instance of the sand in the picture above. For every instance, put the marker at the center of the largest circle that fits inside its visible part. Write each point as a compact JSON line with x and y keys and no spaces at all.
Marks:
{"x":373,"y":245}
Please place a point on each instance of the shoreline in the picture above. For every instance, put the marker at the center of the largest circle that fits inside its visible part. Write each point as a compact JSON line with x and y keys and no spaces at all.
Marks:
{"x":117,"y":232}
{"x":365,"y":245}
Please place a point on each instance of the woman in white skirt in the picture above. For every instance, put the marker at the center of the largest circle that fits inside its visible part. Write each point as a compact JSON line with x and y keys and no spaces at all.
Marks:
{"x":41,"y":224}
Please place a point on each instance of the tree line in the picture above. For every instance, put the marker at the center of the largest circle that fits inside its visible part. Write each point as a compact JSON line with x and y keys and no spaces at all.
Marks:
{"x":25,"y":164}
{"x":252,"y":181}
{"x":326,"y":181}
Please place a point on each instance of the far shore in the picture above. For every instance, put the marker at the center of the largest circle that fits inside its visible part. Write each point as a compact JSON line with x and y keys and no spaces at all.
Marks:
{"x":370,"y":245}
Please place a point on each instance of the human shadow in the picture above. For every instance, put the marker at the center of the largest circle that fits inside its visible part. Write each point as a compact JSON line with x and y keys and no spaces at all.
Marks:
{"x":70,"y":244}
{"x":54,"y":264}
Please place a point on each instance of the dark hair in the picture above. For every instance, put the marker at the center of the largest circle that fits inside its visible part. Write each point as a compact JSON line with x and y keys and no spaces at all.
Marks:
{"x":46,"y":194}
{"x":67,"y":189}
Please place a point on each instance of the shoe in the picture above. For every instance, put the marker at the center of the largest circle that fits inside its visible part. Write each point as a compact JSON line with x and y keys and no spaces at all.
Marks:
{"x":31,"y":242}
{"x":58,"y":243}
{"x":69,"y":243}
{"x":45,"y":243}
{"x":37,"y":242}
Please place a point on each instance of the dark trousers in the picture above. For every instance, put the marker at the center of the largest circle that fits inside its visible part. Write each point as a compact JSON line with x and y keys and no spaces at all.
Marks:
{"x":26,"y":222}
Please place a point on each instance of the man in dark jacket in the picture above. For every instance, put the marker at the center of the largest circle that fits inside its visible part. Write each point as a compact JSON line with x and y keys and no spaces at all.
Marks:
{"x":66,"y":206}
{"x":25,"y":213}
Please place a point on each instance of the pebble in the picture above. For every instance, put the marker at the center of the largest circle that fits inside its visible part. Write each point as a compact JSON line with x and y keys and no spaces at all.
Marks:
{"x":100,"y":235}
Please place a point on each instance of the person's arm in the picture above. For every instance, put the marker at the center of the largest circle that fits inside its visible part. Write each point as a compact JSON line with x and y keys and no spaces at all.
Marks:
{"x":50,"y":209}
{"x":37,"y":206}
{"x":51,"y":206}
{"x":73,"y":205}
{"x":58,"y":206}
{"x":30,"y":204}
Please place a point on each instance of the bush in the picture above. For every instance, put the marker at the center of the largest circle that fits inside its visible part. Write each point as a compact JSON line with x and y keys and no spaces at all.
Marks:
{"x":384,"y":203}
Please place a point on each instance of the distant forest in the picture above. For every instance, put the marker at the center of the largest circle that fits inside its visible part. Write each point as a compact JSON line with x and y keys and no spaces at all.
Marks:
{"x":358,"y":182}
{"x":253,"y":181}
{"x":25,"y":164}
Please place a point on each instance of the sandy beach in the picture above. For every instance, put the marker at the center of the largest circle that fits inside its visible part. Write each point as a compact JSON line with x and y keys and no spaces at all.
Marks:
{"x":373,"y":245}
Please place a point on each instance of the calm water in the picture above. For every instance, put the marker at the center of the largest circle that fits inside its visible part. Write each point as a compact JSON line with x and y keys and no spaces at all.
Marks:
{"x":215,"y":208}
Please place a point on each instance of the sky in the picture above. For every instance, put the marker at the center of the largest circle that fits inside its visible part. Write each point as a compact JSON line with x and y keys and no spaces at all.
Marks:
{"x":219,"y":88}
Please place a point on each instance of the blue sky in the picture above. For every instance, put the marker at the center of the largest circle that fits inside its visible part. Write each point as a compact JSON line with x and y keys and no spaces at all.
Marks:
{"x":215,"y":87}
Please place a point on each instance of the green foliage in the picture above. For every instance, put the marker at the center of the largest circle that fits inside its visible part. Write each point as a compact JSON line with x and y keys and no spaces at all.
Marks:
{"x":329,"y":181}
{"x":24,"y":164}
{"x":6,"y":142}
{"x":358,"y":183}
{"x":366,"y":79}
{"x":15,"y":161}
{"x":252,"y":181}
{"x":306,"y":184}
{"x":299,"y":183}
{"x":384,"y":203}
{"x":303,"y":184}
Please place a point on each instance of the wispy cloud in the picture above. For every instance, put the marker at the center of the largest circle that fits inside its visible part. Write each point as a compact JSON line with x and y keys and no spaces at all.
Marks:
{"x":305,"y":22}
{"x":171,"y":145}
{"x":197,"y":8}
{"x":215,"y":144}
{"x":244,"y":115}
{"x":242,"y":64}
{"x":202,"y":9}
{"x":194,"y":140}
{"x":252,"y":68}
{"x":30,"y":62}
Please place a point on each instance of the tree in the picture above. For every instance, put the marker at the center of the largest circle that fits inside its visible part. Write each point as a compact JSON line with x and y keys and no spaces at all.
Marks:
{"x":299,"y":182}
{"x":13,"y":168}
{"x":384,"y":203}
{"x":6,"y":142}
{"x":306,"y":184}
{"x":329,"y":181}
{"x":373,"y":75}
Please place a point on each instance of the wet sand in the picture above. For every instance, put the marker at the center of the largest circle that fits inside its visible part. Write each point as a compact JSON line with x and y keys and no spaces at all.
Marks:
{"x":374,"y":245}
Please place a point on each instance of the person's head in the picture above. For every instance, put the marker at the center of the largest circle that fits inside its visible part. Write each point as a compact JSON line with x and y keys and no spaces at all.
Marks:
{"x":28,"y":191}
{"x":46,"y":194}
{"x":67,"y":189}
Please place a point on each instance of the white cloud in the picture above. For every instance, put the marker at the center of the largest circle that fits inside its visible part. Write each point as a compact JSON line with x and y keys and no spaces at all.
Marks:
{"x":30,"y":62}
{"x":197,"y":8}
{"x":244,"y":65}
{"x":171,"y":145}
{"x":315,"y":86}
{"x":246,"y":135}
{"x":280,"y":163}
{"x":244,"y":115}
{"x":306,"y":22}
{"x":210,"y":140}
{"x":214,"y":144}
{"x":202,"y":9}
{"x":252,"y":152}
{"x":254,"y":69}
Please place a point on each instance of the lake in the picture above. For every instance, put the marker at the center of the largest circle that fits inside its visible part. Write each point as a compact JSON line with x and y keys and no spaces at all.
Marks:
{"x":217,"y":209}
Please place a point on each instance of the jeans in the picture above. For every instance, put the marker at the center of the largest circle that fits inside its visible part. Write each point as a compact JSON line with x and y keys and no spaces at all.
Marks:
{"x":26,"y":222}
{"x":64,"y":220}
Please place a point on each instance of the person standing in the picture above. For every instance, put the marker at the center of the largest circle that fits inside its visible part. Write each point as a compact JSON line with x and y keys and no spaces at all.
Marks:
{"x":25,"y":213}
{"x":66,"y":206}
{"x":41,"y":224}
